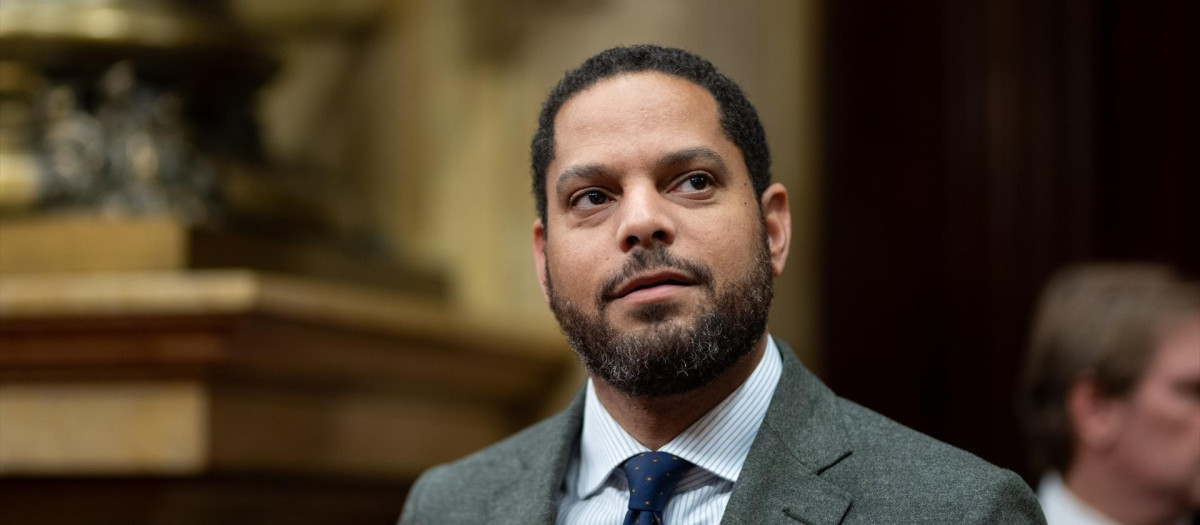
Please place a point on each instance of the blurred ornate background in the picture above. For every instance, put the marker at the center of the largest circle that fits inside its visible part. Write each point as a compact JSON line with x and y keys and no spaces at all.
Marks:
{"x":265,"y":260}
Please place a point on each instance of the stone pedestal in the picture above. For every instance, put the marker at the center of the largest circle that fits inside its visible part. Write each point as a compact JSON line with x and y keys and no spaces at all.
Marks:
{"x":184,"y":383}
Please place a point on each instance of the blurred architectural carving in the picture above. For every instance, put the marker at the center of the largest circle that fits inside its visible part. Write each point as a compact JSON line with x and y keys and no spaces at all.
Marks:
{"x":279,"y":281}
{"x":184,"y":380}
{"x":120,"y":113}
{"x":115,"y":103}
{"x":130,"y":168}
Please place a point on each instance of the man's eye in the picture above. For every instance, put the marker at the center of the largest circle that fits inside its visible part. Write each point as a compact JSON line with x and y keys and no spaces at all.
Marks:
{"x":1189,"y":389}
{"x":695,"y":183}
{"x":590,"y":199}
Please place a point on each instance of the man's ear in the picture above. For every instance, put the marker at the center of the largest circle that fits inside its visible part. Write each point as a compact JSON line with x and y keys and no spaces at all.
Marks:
{"x":778,"y":222}
{"x":1096,"y":418}
{"x":539,"y":256}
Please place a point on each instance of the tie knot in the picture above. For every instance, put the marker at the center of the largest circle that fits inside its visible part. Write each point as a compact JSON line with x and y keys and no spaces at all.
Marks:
{"x":652,"y":476}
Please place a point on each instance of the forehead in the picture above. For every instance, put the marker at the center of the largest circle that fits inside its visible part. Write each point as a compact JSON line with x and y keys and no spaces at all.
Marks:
{"x":636,"y":115}
{"x":1178,"y":347}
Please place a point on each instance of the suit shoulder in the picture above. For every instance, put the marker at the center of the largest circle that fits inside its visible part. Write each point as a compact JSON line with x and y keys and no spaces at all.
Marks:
{"x":894,"y":467}
{"x":495,"y":462}
{"x":885,"y":440}
{"x":461,"y":487}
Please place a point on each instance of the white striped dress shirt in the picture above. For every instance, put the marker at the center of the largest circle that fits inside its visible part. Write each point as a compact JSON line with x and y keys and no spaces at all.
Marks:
{"x":595,"y":490}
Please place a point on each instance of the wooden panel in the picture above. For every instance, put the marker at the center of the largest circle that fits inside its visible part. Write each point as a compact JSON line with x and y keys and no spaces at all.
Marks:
{"x":335,"y":431}
{"x":87,"y":428}
{"x":289,"y":375}
{"x":72,"y":244}
{"x":201,"y":500}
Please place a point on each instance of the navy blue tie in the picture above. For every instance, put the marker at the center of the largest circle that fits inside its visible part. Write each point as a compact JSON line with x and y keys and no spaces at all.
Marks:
{"x":652,"y":476}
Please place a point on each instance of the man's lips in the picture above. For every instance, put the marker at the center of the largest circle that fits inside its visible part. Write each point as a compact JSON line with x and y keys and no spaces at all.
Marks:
{"x":651,"y":280}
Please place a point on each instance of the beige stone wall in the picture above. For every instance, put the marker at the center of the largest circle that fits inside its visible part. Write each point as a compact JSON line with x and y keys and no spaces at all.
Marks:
{"x":103,"y":427}
{"x":426,"y":108}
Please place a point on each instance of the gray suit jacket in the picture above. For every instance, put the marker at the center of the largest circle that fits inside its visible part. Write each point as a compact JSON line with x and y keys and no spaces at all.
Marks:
{"x":818,"y":459}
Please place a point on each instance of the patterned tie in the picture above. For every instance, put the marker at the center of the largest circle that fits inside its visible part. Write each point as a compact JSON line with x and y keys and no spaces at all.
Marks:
{"x":652,"y":476}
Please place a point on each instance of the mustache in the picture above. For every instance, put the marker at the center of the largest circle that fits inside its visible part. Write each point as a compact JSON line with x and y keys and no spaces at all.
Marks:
{"x":655,"y":258}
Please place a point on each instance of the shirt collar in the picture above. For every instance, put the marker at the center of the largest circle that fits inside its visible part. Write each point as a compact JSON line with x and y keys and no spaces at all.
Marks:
{"x":718,"y":442}
{"x":1063,"y":507}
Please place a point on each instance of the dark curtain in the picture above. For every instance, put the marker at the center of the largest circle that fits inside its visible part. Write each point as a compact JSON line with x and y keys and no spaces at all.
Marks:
{"x":973,"y":148}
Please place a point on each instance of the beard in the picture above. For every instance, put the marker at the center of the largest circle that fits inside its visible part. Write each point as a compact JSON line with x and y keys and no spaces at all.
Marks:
{"x":665,"y":358}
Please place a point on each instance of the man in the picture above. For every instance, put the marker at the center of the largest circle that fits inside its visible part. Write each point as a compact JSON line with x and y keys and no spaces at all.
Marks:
{"x":658,"y":239}
{"x":1112,"y":396}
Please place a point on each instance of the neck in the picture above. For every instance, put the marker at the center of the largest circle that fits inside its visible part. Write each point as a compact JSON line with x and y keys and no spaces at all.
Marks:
{"x":654,"y":421}
{"x":1110,"y":492}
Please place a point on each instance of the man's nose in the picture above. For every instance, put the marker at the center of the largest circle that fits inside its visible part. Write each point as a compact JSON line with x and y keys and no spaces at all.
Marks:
{"x":645,"y":220}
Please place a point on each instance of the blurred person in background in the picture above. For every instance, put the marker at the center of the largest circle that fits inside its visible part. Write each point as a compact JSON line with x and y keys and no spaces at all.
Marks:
{"x":659,"y":237}
{"x":1111,"y":396}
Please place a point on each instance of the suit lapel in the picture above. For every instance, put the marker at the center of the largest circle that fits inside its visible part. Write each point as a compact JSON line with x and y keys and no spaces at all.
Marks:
{"x":801,"y":436}
{"x":532,"y":496}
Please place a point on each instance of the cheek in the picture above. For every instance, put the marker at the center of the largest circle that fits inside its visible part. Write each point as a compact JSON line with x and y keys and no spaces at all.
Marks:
{"x":1176,"y":417}
{"x":731,"y":240}
{"x":577,"y":272}
{"x":1164,"y":436}
{"x":721,"y":255}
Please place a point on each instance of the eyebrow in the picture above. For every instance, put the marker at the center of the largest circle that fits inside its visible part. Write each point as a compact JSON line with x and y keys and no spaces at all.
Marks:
{"x":685,"y":156}
{"x":674,"y":158}
{"x":582,"y":171}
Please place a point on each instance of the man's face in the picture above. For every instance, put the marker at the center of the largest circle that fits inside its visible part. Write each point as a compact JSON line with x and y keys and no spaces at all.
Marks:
{"x":1159,"y":444}
{"x":656,"y":258}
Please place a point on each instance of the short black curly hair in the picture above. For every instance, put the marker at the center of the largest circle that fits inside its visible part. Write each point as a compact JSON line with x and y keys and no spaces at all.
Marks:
{"x":739,"y":120}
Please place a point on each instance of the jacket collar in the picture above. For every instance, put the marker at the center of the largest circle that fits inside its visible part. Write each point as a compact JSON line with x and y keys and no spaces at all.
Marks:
{"x":801,"y":436}
{"x":532,"y":496}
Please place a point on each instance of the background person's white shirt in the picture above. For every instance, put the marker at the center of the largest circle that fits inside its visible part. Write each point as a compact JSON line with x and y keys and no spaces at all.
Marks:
{"x":1061,"y":507}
